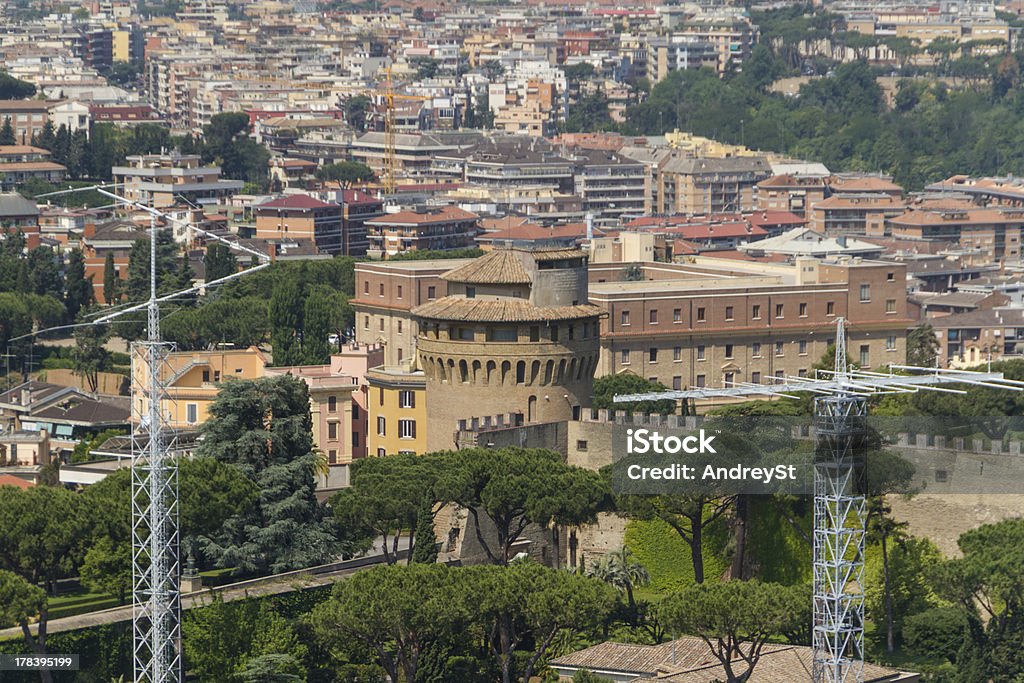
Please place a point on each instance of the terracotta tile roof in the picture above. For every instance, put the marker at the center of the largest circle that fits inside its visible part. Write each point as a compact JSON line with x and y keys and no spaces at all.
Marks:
{"x":556,"y":254}
{"x":762,"y":218}
{"x":720,"y":231}
{"x":11,"y":480}
{"x":776,"y":665}
{"x":459,"y":308}
{"x":640,"y":659}
{"x":959,"y":217}
{"x":443,"y":214}
{"x":538,"y":233}
{"x":501,"y":266}
{"x":688,"y":660}
{"x":866,"y":184}
{"x":31,"y":166}
{"x":7,"y":150}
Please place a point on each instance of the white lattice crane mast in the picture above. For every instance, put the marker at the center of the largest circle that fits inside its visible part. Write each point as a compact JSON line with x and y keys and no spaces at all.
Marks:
{"x":840,"y":507}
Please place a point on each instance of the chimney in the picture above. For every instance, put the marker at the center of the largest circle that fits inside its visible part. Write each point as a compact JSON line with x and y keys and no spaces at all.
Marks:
{"x":89,"y":229}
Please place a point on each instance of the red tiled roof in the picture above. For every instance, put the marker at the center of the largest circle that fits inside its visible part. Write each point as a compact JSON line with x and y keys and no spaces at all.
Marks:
{"x":295,"y":201}
{"x":762,"y":218}
{"x":11,"y":480}
{"x":532,"y":231}
{"x":441,"y":215}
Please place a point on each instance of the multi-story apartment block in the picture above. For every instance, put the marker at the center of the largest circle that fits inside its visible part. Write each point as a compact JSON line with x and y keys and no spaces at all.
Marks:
{"x":707,"y":186}
{"x":192,"y":379}
{"x":611,"y":185}
{"x":339,"y":404}
{"x":716,"y":322}
{"x":115,"y":237}
{"x":414,"y":152}
{"x":301,"y":217}
{"x":795,"y":193}
{"x":677,"y":53}
{"x":976,"y":337}
{"x":386,"y":293}
{"x":19,"y":163}
{"x":502,"y":162}
{"x":162,"y":180}
{"x":730,"y":33}
{"x":435,"y":229}
{"x":855,"y":214}
{"x":988,"y":235}
{"x":357,"y":207}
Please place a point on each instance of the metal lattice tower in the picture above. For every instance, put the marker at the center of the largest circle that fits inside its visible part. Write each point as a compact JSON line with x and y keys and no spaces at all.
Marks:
{"x":840,"y":507}
{"x":156,"y":618}
{"x":156,"y":595}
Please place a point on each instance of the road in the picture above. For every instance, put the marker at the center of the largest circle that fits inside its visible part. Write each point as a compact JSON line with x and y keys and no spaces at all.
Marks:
{"x":269,"y":585}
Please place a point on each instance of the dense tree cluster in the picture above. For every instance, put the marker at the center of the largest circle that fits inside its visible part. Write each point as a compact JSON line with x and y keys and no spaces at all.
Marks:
{"x":841,"y":119}
{"x":480,"y":623}
{"x":38,"y":287}
{"x":505,"y":490}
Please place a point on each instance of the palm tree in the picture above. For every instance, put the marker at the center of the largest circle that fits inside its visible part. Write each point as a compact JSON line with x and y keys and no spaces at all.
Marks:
{"x":620,"y":569}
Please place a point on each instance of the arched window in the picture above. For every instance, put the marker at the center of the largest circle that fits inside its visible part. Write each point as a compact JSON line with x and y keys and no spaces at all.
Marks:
{"x":531,"y":409}
{"x":463,"y":371}
{"x":521,"y":372}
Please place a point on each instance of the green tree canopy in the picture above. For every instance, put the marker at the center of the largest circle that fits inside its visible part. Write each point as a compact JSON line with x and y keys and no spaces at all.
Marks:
{"x":346,"y":172}
{"x":737,"y":618}
{"x":608,"y":387}
{"x":263,"y":428}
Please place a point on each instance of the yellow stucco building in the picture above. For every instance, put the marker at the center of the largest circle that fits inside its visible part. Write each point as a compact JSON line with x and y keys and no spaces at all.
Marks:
{"x":397,"y":408}
{"x":192,"y":378}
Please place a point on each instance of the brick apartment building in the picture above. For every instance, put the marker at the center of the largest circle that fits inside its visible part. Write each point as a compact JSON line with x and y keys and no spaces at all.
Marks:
{"x":301,"y":217}
{"x":989,"y":235}
{"x":435,"y":228}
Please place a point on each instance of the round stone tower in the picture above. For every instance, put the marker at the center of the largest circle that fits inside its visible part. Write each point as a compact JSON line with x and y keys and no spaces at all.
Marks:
{"x":515,"y":335}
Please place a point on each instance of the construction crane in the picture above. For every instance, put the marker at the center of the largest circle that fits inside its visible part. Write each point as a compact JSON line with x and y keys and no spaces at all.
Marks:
{"x":390,"y":153}
{"x":840,"y":507}
{"x":156,"y":596}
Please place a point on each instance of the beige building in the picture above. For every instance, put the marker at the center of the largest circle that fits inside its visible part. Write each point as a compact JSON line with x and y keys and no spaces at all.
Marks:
{"x":192,"y":379}
{"x":702,"y":186}
{"x":714,"y":322}
{"x":161,"y":180}
{"x":386,"y":293}
{"x":514,"y":335}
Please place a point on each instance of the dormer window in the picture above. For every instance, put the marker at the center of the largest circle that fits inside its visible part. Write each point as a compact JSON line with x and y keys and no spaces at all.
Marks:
{"x":470,"y":292}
